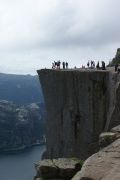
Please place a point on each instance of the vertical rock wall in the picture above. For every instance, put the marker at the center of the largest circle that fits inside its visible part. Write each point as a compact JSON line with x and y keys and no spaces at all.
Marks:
{"x":78,"y":104}
{"x":115,"y":113}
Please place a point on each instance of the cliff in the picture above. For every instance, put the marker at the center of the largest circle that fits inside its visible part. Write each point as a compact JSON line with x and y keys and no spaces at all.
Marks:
{"x":80,"y":105}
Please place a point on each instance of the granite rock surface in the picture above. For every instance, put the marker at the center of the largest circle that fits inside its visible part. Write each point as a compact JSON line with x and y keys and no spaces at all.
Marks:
{"x":103,"y":165}
{"x":80,"y":105}
{"x":62,"y":168}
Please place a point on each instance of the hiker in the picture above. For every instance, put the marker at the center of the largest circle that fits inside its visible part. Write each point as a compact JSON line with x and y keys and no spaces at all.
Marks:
{"x":83,"y":67}
{"x":88,"y":64}
{"x":53,"y":66}
{"x":93,"y":64}
{"x":66,"y":65}
{"x":63,"y":65}
{"x":98,"y":66}
{"x":116,"y":67}
{"x":103,"y":65}
{"x":58,"y":64}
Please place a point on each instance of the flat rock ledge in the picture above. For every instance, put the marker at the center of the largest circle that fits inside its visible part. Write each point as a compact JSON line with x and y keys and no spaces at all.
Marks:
{"x":57,"y":169}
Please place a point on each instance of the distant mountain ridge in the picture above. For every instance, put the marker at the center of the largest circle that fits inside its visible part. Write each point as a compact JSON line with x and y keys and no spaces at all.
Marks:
{"x":20,"y":126}
{"x":22,"y":112}
{"x":20,"y":89}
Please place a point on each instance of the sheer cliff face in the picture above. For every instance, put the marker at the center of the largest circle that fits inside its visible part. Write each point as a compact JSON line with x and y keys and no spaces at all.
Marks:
{"x":77,"y":110}
{"x":115,"y":115}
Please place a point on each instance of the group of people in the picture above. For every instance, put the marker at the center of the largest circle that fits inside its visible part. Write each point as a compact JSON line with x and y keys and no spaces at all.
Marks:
{"x":91,"y":64}
{"x":57,"y":65}
{"x":65,"y":65}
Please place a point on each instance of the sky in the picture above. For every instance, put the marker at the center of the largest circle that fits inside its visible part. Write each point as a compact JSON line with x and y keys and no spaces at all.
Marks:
{"x":34,"y":33}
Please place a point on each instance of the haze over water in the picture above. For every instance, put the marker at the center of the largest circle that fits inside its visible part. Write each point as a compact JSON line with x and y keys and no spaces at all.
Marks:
{"x":20,"y":166}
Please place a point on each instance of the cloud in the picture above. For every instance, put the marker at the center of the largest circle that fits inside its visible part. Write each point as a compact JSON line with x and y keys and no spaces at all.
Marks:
{"x":35,"y":32}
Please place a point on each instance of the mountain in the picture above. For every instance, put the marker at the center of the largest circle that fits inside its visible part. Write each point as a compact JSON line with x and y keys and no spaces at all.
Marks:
{"x":20,"y":89}
{"x":22,"y":111}
{"x":20,"y":126}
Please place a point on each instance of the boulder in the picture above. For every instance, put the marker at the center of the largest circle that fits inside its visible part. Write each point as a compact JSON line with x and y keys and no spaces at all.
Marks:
{"x":67,"y":167}
{"x":58,"y":168}
{"x":46,"y":169}
{"x":116,"y":129}
{"x":107,"y":138}
{"x":103,"y":165}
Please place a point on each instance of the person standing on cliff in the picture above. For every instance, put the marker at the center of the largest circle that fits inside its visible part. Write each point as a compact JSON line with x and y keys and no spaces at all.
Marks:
{"x":88,"y":64}
{"x":103,"y":65}
{"x":55,"y":64}
{"x":93,"y":64}
{"x":58,"y":64}
{"x":52,"y":65}
{"x":63,"y":65}
{"x":98,"y":66}
{"x":116,"y":67}
{"x":66,"y":65}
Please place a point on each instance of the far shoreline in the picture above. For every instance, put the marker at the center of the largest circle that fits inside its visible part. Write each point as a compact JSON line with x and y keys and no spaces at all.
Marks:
{"x":21,"y":149}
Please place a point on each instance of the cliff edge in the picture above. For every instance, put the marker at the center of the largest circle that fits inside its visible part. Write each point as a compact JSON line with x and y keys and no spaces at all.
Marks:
{"x":80,"y":105}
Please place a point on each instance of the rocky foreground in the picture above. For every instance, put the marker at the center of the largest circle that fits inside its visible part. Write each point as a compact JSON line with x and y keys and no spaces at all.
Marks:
{"x":62,"y":168}
{"x":104,"y":165}
{"x":20,"y":126}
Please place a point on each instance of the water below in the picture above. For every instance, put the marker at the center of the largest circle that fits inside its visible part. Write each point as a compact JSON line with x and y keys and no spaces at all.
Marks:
{"x":20,"y":166}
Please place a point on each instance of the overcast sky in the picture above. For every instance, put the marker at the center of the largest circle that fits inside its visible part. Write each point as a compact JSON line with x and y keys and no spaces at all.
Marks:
{"x":33,"y":33}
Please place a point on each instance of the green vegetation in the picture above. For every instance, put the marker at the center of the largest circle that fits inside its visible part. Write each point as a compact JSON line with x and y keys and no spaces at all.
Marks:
{"x":116,"y":59}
